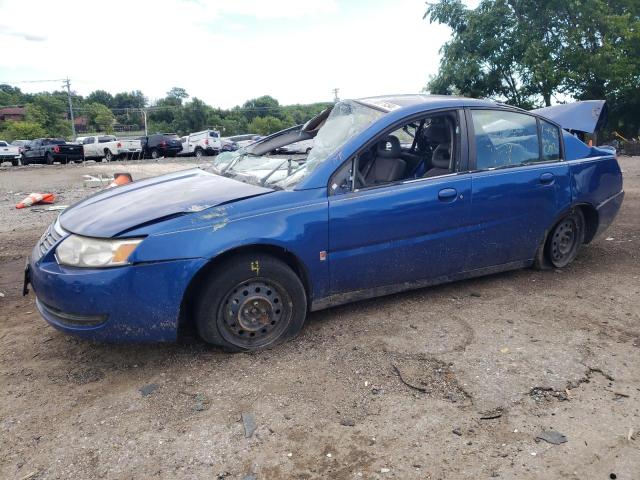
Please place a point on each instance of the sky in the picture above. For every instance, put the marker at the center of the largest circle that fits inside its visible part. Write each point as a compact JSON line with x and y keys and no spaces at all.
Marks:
{"x":221,"y":51}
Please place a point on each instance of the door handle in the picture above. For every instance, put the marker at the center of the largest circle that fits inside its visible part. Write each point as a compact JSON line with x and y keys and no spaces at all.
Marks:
{"x":447,"y":194}
{"x":547,"y":178}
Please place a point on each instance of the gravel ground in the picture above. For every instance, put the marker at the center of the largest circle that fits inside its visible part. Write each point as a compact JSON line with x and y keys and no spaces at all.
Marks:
{"x":455,"y":381}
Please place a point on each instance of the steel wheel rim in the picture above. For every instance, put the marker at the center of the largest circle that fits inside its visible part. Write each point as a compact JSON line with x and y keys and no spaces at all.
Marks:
{"x":254,"y":313}
{"x":564,"y":240}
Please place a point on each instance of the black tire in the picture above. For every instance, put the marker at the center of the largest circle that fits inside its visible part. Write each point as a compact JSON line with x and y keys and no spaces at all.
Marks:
{"x":252,"y":302}
{"x":15,"y":163}
{"x":199,"y":153}
{"x":154,"y":153}
{"x":108,"y":156}
{"x":25,"y":161}
{"x":564,"y":239}
{"x":48,"y":159}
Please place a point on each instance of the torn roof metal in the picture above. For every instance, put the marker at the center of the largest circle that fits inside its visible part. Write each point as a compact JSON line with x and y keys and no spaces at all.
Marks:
{"x":586,"y":116}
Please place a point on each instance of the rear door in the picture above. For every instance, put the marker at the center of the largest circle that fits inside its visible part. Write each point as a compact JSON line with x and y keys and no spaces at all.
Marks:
{"x":519,"y":185}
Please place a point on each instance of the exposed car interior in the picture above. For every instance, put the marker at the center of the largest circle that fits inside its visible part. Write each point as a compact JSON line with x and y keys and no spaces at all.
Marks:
{"x":421,"y":149}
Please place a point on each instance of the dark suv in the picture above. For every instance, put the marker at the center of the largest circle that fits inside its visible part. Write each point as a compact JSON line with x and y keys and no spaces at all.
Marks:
{"x":160,"y":145}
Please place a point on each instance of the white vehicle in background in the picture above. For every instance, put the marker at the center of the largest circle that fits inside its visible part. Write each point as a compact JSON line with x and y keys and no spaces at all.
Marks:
{"x":303,"y":146}
{"x":206,"y":142}
{"x":10,"y":153}
{"x":110,"y":147}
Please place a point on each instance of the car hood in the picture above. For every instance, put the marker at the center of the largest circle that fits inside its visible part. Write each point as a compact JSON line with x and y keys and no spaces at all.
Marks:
{"x":117,"y":210}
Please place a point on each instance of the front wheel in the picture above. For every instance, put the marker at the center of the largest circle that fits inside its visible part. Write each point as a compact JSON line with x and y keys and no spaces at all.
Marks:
{"x":253,"y":302}
{"x":565,"y":239}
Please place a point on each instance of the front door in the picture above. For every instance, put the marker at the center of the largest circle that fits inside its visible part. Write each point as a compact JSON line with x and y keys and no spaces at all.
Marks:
{"x":398,"y":233}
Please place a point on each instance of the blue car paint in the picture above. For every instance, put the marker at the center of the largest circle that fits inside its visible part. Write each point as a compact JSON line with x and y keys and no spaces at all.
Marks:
{"x":378,"y":241}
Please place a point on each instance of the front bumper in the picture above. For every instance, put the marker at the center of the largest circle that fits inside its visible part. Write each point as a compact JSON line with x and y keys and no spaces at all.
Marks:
{"x":136,"y":303}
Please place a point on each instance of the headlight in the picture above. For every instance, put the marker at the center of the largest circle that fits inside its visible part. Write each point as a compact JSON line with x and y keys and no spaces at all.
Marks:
{"x":76,"y":251}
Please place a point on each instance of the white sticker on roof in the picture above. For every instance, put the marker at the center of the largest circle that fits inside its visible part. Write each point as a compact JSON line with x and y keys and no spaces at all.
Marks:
{"x":388,"y":106}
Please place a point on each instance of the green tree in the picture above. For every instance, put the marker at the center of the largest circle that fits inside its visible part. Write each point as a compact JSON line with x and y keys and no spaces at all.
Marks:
{"x":22,"y":131}
{"x":265,"y":125}
{"x":524,"y":52}
{"x":101,"y":96}
{"x":100,"y":117}
{"x":261,"y":106}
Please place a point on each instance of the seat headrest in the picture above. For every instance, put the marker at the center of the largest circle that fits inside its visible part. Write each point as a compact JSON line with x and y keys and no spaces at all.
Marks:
{"x":436,"y":133}
{"x":441,"y":157}
{"x":389,"y":147}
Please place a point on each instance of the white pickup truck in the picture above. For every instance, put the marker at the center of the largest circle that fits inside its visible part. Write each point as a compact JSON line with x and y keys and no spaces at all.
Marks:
{"x":202,"y":143}
{"x":10,"y":153}
{"x":110,"y":148}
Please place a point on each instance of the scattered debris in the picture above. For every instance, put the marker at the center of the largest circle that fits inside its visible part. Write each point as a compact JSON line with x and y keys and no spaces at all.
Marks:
{"x":504,"y":350}
{"x":249,"y":422}
{"x":250,"y":476}
{"x":36,"y":199}
{"x":429,"y":376}
{"x":551,"y":436}
{"x":99,"y":181}
{"x":608,"y":239}
{"x":475,"y":294}
{"x":457,"y":431}
{"x":491,"y":414}
{"x":201,"y":402}
{"x":385,"y":470}
{"x":148,"y":389}
{"x":120,"y":179}
{"x":1,"y":295}
{"x":347,"y":422}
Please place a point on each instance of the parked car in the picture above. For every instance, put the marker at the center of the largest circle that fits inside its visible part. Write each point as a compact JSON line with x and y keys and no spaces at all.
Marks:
{"x":228,"y":145}
{"x":200,"y":143}
{"x":20,"y":143}
{"x":245,"y":139}
{"x":49,"y":150}
{"x":303,"y":146}
{"x":244,"y":255}
{"x":110,"y":147}
{"x":10,"y":153}
{"x":160,"y":145}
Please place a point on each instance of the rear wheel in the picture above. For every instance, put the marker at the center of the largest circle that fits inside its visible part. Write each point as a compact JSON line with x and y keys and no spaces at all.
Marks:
{"x":565,"y":239}
{"x":108,"y":156}
{"x":48,"y":158}
{"x":155,"y":154}
{"x":199,"y":153}
{"x":253,"y":302}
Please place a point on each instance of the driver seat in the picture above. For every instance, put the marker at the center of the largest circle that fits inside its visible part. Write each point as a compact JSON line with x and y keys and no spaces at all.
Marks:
{"x":387,"y":166}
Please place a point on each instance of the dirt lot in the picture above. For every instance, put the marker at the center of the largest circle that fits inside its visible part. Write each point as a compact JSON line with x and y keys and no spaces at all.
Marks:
{"x":448,"y":382}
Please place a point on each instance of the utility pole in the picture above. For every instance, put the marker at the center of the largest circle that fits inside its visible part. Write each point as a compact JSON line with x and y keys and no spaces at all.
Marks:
{"x":144,"y":114}
{"x":67,"y":83}
{"x":335,"y":95}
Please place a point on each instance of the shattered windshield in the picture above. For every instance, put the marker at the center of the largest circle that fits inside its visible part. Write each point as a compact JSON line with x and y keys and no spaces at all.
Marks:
{"x":284,"y":171}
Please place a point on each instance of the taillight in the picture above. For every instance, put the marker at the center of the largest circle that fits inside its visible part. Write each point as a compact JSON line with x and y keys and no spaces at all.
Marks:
{"x":119,"y":145}
{"x":206,"y":142}
{"x":56,"y":149}
{"x":163,"y":143}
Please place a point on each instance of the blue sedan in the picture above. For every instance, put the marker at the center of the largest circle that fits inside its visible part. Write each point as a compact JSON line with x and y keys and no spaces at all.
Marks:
{"x":397,"y":193}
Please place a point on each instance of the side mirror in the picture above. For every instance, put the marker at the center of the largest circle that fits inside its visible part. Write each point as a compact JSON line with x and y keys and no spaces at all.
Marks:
{"x":26,"y":147}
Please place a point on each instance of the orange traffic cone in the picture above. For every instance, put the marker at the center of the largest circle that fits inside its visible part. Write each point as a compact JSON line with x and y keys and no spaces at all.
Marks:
{"x":120,"y":179}
{"x":35,"y":198}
